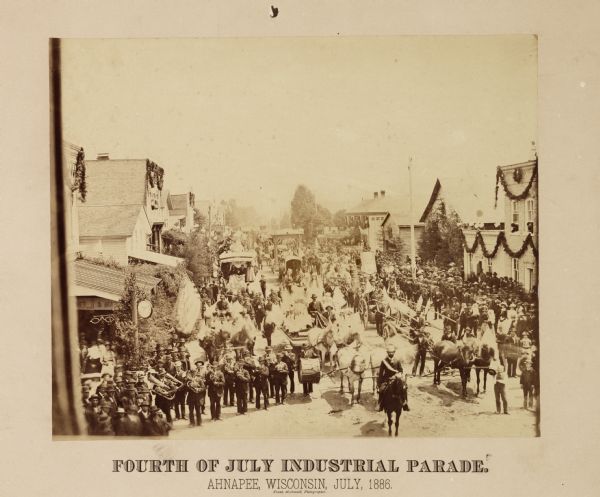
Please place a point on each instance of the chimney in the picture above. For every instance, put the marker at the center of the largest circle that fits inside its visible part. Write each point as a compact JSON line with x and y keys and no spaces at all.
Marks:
{"x":375,"y":194}
{"x":382,"y":192}
{"x":103,"y":156}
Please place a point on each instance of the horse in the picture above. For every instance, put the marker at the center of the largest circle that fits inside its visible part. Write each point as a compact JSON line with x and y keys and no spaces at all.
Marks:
{"x":324,"y":341}
{"x":484,"y":357}
{"x":459,"y":356}
{"x":352,"y":366}
{"x":405,"y":353}
{"x":392,"y":400}
{"x":244,"y":338}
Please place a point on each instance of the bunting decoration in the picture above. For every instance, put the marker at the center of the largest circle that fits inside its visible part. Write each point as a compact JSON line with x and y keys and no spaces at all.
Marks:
{"x":154,"y":173}
{"x":79,"y":174}
{"x":501,"y":180}
{"x":500,"y":242}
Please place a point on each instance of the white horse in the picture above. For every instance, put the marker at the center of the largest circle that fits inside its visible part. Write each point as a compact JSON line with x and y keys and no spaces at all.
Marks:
{"x":352,"y":365}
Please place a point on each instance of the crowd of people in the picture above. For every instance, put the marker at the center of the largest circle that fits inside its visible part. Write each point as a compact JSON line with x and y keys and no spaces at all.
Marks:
{"x":174,"y":386}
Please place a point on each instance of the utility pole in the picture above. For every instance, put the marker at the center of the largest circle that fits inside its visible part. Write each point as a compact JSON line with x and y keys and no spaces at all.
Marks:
{"x":134,"y":319}
{"x":413,"y":261}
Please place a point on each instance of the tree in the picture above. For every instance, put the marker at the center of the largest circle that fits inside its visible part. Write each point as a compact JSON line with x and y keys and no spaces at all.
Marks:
{"x":174,"y":242}
{"x":339,"y":219}
{"x":200,"y":220}
{"x":306,"y":213}
{"x":441,"y":242}
{"x":198,"y":257}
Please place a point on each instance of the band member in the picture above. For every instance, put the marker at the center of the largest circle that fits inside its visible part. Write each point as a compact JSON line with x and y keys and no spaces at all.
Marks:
{"x":270,"y":361}
{"x":196,"y":390}
{"x":161,"y":402}
{"x":279,"y":377}
{"x":308,"y":352}
{"x":261,"y":383}
{"x":229,"y":374}
{"x":390,"y":366}
{"x":290,"y":359}
{"x":242,"y":382}
{"x":181,"y":375}
{"x":216,"y":384}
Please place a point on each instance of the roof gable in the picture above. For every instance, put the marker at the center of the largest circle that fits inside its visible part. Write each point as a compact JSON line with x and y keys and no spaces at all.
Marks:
{"x":116,"y":182}
{"x":108,"y":220}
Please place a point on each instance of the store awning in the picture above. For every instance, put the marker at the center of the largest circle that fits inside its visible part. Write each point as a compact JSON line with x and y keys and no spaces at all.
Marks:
{"x":107,"y":282}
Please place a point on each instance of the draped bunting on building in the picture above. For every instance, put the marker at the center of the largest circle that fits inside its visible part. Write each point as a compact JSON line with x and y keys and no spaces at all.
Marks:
{"x":501,"y":180}
{"x":500,"y":241}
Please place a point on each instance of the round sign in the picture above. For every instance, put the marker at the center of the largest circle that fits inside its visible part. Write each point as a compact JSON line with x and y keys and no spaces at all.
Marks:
{"x":145,"y":309}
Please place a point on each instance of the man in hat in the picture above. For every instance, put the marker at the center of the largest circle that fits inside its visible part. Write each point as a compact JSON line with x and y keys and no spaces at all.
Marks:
{"x":315,"y":308}
{"x":261,"y":383}
{"x":290,"y":359}
{"x":216,"y":385}
{"x":279,"y":377}
{"x":499,"y":386}
{"x":527,"y":382}
{"x":263,"y":286}
{"x":196,"y":392}
{"x":161,"y":402}
{"x":229,"y":374}
{"x":92,"y":412}
{"x":308,"y":352}
{"x":242,"y":381}
{"x":270,"y":361}
{"x":380,"y":311}
{"x":181,"y":375}
{"x":390,"y":366}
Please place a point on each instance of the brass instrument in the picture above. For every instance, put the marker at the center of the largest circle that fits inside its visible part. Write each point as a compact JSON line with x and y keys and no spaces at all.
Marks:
{"x":194,"y":385}
{"x":167,"y":388}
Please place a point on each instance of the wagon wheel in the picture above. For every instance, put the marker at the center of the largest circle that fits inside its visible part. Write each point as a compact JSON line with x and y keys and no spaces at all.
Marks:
{"x":389,"y":330}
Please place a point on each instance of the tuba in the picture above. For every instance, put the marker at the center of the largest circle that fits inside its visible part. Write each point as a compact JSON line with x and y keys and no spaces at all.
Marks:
{"x":167,"y":388}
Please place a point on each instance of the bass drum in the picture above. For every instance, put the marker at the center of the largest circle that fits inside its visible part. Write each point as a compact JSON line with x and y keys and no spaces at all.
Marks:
{"x":310,"y":370}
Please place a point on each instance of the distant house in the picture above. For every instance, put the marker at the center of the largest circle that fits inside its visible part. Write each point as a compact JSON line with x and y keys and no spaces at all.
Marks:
{"x":515,"y":234}
{"x":125,"y":212}
{"x":384,"y":221}
{"x":181,"y":211}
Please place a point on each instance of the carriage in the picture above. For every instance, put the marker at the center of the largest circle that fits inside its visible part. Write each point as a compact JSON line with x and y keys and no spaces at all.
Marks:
{"x":293,"y":263}
{"x":366,"y":309}
{"x":237,"y":268}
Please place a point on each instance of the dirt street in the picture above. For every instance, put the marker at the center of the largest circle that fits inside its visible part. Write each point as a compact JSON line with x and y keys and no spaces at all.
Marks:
{"x":436,"y":411}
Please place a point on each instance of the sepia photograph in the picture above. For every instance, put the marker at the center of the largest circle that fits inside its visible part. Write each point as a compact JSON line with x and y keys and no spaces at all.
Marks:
{"x":295,"y":237}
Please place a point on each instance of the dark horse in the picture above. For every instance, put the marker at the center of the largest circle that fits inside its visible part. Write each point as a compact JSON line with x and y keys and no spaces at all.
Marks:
{"x":393,"y":400}
{"x":453,"y":355}
{"x":485,"y":355}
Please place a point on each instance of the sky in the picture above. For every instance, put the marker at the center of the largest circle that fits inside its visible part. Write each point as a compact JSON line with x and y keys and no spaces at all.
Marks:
{"x":251,"y":119}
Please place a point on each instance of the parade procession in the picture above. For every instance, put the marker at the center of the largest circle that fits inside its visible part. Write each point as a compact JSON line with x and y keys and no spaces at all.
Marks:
{"x":279,"y":323}
{"x":231,"y":295}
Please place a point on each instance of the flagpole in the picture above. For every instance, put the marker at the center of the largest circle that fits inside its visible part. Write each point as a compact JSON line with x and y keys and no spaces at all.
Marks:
{"x":413,"y":262}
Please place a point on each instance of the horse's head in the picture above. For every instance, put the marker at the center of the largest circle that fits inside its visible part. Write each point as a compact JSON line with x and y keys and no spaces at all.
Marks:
{"x":396,"y":384}
{"x":467,"y":353}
